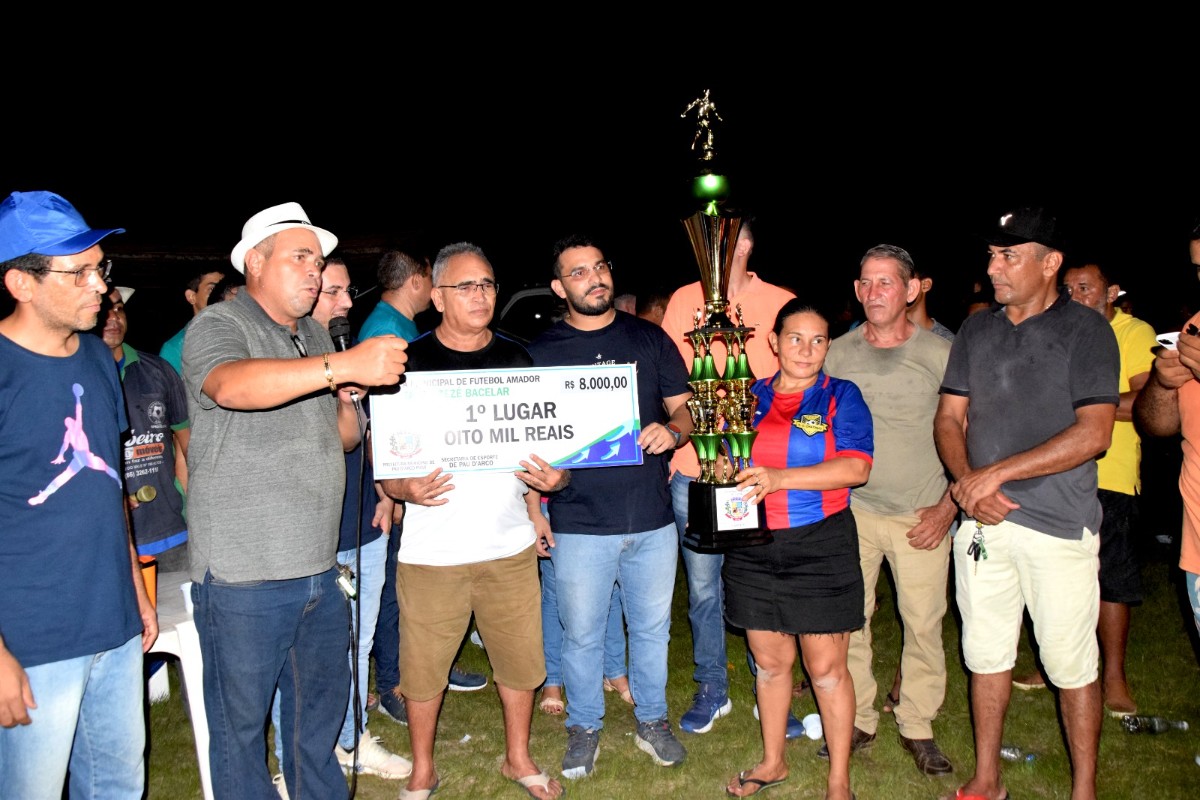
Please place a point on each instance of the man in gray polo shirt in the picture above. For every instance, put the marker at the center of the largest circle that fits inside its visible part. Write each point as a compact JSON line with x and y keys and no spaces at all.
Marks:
{"x":1037,"y":376}
{"x":271,"y":416}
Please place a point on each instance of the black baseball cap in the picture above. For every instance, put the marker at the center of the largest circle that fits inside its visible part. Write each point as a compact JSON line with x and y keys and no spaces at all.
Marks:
{"x":1023,"y":225}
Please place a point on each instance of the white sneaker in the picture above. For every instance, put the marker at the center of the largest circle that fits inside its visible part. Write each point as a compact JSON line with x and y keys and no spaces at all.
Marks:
{"x":374,"y":759}
{"x":280,"y":786}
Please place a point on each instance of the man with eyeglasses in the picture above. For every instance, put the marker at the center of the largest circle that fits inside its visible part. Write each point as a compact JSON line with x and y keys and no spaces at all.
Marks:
{"x":405,"y":283}
{"x":613,"y":526}
{"x":758,"y":302}
{"x":469,"y":546}
{"x":71,"y":645}
{"x":272,"y":411}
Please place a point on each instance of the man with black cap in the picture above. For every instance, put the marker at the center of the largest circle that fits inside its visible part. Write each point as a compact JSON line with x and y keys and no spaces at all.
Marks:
{"x":74,"y":615}
{"x":1037,"y":376}
{"x":272,"y":413}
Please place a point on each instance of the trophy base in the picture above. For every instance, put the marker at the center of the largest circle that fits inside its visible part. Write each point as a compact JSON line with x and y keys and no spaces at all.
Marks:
{"x":719,"y":519}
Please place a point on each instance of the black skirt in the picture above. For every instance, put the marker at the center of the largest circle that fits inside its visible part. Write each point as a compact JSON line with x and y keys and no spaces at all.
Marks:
{"x":808,"y":580}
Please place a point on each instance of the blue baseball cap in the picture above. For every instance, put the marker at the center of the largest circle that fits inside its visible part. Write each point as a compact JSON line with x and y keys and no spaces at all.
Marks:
{"x":46,"y":224}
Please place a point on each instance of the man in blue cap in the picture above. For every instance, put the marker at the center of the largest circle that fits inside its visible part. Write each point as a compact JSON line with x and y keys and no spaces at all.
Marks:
{"x":74,"y":615}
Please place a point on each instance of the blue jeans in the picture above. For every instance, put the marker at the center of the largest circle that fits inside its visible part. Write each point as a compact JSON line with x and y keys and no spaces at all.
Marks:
{"x":386,"y":651}
{"x":89,"y":718}
{"x":587,"y":567}
{"x":254,"y":636}
{"x":552,"y":631}
{"x":706,"y":598}
{"x":370,"y":589}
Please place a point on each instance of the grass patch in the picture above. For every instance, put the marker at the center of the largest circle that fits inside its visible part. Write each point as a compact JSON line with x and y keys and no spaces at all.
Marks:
{"x":1162,"y":665}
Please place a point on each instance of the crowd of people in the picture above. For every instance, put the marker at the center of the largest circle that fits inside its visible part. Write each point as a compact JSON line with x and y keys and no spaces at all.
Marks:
{"x":1005,"y":454}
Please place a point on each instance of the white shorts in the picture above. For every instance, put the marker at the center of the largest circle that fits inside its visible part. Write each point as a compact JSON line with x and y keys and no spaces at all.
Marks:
{"x":1057,"y":579}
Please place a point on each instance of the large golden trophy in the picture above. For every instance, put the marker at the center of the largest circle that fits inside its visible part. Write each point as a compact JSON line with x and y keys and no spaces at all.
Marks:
{"x":722,"y":405}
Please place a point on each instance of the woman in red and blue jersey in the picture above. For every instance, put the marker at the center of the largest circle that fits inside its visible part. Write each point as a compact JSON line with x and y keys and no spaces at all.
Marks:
{"x":815,"y":441}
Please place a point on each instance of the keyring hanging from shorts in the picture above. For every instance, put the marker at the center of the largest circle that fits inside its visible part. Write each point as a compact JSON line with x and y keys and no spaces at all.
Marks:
{"x":977,"y":549}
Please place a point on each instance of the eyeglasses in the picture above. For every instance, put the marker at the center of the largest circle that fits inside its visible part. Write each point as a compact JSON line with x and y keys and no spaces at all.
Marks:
{"x":102,"y":271}
{"x":465,"y":290}
{"x":353,"y":291}
{"x":600,"y":268}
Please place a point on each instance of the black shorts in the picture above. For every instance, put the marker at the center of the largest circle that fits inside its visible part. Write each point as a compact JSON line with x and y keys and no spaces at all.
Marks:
{"x":808,"y":580}
{"x":1120,"y":572}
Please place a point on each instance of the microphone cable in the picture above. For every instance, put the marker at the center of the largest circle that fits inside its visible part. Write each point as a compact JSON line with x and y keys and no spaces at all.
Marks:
{"x":339,"y":331}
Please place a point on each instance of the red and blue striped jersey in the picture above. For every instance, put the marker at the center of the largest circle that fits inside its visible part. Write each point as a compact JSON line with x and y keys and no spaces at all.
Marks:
{"x":828,"y":420}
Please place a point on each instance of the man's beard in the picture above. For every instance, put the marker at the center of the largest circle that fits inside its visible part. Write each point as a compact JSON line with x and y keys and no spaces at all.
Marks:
{"x":601,"y":306}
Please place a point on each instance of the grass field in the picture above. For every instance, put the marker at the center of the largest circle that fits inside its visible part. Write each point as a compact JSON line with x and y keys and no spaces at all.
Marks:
{"x":1162,"y":665}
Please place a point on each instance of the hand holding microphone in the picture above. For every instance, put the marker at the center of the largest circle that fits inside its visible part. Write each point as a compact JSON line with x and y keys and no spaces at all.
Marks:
{"x":378,"y":361}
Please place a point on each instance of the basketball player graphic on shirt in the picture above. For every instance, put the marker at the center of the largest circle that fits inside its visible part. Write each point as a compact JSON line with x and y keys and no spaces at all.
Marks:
{"x":81,"y":456}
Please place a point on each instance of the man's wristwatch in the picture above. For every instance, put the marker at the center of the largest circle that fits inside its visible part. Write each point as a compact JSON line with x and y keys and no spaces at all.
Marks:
{"x":678,"y":434}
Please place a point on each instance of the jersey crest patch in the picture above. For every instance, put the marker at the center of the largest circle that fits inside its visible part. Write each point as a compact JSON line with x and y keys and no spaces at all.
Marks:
{"x":811,"y":424}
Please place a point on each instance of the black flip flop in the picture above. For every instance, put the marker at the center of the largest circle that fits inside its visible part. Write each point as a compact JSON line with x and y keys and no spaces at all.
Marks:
{"x":762,"y":785}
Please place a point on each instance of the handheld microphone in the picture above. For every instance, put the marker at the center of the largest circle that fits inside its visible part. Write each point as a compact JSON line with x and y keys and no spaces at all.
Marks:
{"x":339,"y":331}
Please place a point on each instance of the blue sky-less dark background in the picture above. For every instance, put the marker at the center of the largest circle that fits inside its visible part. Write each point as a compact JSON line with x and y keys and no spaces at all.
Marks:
{"x":830,"y":163}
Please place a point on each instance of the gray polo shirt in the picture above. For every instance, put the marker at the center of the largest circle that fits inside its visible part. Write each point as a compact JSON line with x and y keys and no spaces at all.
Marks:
{"x":264,"y":487}
{"x":1024,"y":383}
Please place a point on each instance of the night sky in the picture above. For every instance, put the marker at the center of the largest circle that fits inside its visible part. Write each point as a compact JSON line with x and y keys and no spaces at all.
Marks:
{"x":512,"y":164}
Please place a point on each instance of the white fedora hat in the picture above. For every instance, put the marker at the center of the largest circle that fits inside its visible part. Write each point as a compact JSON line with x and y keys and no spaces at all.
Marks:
{"x":271,"y":221}
{"x":125,"y":293}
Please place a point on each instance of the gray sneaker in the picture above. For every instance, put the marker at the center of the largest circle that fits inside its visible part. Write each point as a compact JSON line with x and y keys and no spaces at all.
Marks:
{"x":583,"y":745}
{"x":657,"y":740}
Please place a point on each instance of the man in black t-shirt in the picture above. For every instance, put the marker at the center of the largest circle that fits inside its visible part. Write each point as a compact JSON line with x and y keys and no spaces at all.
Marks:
{"x":613,"y":526}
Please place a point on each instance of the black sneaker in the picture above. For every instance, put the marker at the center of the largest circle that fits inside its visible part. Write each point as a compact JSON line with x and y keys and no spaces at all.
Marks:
{"x":583,"y":745}
{"x":393,"y":708}
{"x":466,"y":681}
{"x":657,"y":740}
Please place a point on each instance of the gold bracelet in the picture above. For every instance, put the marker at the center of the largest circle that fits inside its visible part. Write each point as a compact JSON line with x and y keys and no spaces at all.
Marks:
{"x":329,"y":374}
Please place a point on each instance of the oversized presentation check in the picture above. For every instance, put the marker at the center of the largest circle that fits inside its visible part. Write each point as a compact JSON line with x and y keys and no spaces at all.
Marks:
{"x":489,"y":420}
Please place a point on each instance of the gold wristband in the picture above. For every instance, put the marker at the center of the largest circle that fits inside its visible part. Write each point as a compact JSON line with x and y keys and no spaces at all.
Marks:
{"x":329,"y":374}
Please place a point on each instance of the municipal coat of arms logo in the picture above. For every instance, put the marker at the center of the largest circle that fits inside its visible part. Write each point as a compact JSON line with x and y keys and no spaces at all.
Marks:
{"x":737,"y":508}
{"x":404,"y":445}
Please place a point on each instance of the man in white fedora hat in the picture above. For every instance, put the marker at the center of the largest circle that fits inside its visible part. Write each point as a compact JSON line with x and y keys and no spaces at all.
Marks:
{"x":272,"y":413}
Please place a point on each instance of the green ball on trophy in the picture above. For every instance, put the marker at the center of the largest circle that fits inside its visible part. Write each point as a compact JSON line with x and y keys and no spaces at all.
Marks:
{"x":711,"y":187}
